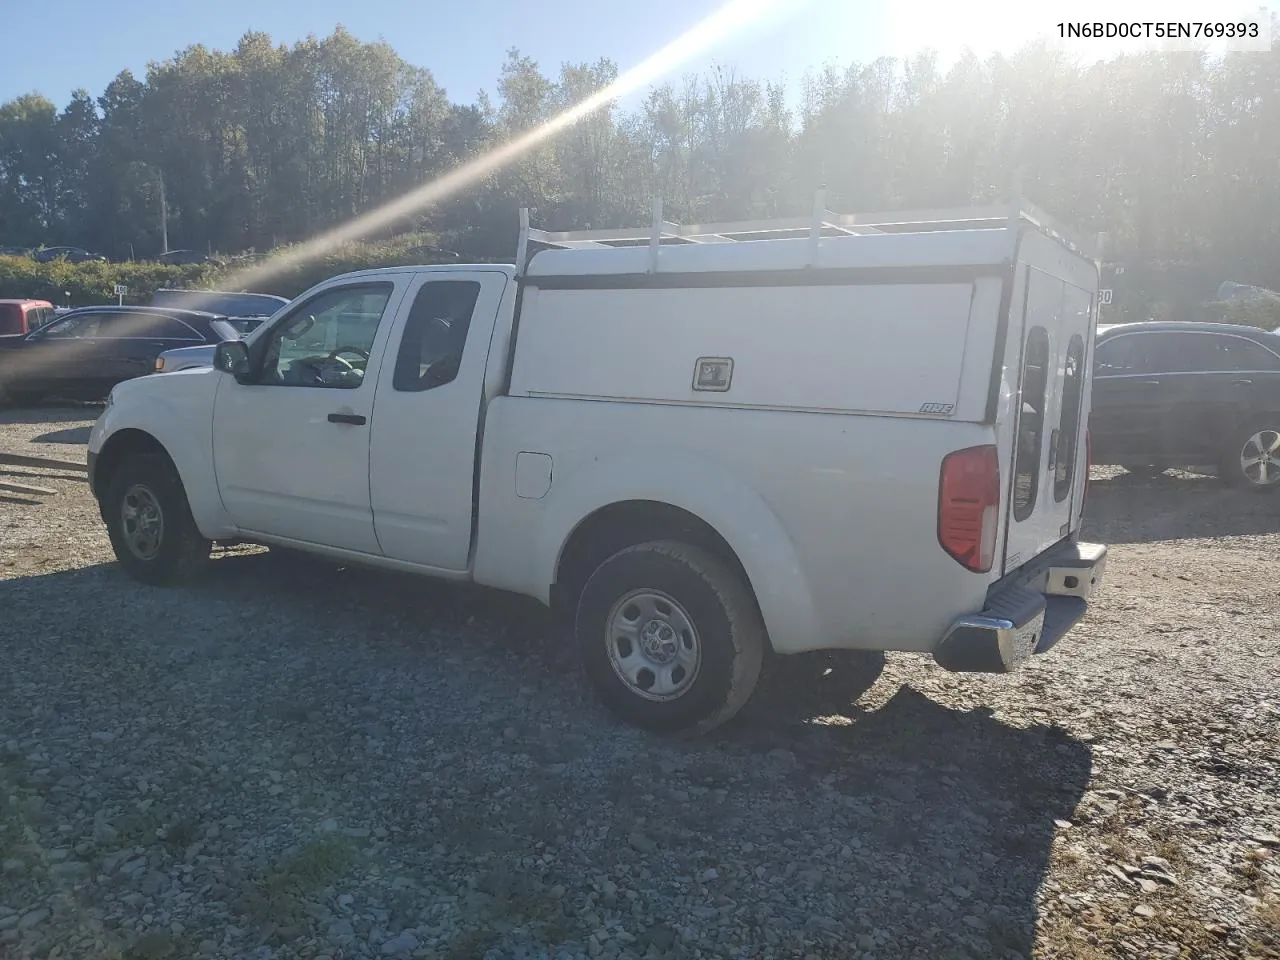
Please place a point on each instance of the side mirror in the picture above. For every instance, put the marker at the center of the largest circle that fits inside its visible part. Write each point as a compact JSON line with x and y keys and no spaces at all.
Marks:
{"x":232,"y":356}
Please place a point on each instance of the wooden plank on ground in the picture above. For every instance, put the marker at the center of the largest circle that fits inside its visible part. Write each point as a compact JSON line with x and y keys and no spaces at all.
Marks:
{"x":43,"y":463}
{"x":26,"y":488}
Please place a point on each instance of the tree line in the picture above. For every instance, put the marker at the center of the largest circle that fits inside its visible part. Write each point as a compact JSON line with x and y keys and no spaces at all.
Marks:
{"x":1175,"y":155}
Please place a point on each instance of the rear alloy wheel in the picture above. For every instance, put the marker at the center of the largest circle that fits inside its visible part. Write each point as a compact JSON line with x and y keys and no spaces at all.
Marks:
{"x":149,"y":521}
{"x":1253,"y":460}
{"x":669,"y":637}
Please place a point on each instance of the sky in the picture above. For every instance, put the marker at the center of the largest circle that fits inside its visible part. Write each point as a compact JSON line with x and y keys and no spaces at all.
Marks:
{"x":84,"y":43}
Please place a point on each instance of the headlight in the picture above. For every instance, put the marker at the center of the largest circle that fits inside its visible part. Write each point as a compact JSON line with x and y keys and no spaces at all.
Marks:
{"x":159,"y":365}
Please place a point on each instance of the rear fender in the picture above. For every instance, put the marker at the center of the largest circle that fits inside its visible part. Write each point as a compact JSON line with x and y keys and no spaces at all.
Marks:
{"x":716,"y":496}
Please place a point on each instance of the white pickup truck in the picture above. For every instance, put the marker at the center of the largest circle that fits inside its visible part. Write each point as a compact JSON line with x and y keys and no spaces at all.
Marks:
{"x":709,"y":445}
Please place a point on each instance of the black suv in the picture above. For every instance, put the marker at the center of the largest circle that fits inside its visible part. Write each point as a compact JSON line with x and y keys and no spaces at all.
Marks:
{"x":83,"y":353}
{"x":1189,"y":395}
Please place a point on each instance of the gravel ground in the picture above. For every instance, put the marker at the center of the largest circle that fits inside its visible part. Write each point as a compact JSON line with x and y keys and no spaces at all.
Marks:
{"x":294,"y":760}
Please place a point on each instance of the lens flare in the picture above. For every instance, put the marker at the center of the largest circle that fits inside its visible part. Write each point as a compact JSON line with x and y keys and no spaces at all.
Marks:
{"x":727,"y":20}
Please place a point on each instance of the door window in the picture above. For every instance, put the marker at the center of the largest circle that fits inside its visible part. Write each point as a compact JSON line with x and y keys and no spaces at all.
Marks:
{"x":326,"y":341}
{"x":1225,"y":354}
{"x":1194,"y":353}
{"x":1131,"y":354}
{"x":74,"y":328}
{"x":145,"y":326}
{"x":167,"y":328}
{"x":435,"y":334}
{"x":1069,"y":426}
{"x":1026,"y":458}
{"x":11,"y":319}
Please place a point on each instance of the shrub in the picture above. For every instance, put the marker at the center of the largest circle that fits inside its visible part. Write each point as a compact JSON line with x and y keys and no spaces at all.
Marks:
{"x":82,"y":284}
{"x":1262,"y":312}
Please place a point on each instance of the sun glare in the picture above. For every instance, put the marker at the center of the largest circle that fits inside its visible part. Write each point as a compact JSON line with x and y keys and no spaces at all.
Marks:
{"x":1005,"y":26}
{"x":728,"y":20}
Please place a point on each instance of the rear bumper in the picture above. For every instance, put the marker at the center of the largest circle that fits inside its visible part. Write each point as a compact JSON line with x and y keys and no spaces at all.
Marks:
{"x":1027,"y":614}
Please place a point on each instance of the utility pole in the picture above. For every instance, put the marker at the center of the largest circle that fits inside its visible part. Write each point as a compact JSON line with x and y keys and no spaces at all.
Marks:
{"x":164,"y":216}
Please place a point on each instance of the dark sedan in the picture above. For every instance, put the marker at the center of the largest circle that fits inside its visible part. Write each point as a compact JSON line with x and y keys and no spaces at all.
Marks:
{"x":69,"y":254}
{"x":84,"y":353}
{"x":1189,"y":395}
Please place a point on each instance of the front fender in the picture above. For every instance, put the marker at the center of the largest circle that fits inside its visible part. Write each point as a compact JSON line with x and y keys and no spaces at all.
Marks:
{"x":176,"y":411}
{"x":711,"y":493}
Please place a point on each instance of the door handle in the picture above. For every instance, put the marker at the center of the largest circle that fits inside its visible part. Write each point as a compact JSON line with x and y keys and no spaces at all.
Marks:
{"x":354,"y":419}
{"x":1153,"y":383}
{"x":1242,"y":382}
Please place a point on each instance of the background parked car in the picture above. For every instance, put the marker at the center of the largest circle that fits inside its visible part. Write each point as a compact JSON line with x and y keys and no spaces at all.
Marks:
{"x":224,"y":303}
{"x":70,"y":254}
{"x":86,"y":352}
{"x":1188,"y":395}
{"x":20,"y":317}
{"x":244,"y":311}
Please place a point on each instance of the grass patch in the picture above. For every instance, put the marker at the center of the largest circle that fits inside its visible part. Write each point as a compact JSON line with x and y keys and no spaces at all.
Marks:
{"x":137,"y":828}
{"x":1269,"y":922}
{"x":181,"y":834}
{"x":1252,"y":872}
{"x":274,"y":896}
{"x":467,"y":945}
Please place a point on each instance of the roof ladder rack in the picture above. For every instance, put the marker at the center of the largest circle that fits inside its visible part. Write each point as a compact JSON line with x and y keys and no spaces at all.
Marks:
{"x":821,"y":223}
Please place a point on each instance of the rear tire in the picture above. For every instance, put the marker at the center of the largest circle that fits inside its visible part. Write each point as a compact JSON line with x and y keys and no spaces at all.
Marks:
{"x":149,"y":521}
{"x":670,"y":638}
{"x":1251,"y":459}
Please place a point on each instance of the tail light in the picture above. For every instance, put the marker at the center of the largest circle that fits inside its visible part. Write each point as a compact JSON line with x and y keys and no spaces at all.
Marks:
{"x":969,"y":506}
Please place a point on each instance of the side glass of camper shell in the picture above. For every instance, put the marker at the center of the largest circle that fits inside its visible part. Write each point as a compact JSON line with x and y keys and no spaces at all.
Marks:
{"x":1069,"y":428}
{"x":1026,"y":458}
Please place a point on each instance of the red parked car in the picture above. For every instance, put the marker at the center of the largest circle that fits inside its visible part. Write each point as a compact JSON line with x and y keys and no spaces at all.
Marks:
{"x":20,"y":317}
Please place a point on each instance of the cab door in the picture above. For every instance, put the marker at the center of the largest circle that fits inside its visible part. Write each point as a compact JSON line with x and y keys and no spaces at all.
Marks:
{"x":422,"y":463}
{"x":291,"y":448}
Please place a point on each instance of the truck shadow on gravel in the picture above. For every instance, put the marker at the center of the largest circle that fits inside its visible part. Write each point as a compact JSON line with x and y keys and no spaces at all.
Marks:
{"x":932,"y":828}
{"x":903,"y":829}
{"x":1175,"y":506}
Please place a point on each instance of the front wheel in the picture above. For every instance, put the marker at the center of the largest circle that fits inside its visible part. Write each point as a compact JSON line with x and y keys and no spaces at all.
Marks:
{"x":670,"y":638}
{"x":1252,"y":458}
{"x":149,"y":521}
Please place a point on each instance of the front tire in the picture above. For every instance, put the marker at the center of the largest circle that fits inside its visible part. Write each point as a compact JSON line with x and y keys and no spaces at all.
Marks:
{"x":149,"y":521}
{"x":1251,"y":460}
{"x":670,"y":638}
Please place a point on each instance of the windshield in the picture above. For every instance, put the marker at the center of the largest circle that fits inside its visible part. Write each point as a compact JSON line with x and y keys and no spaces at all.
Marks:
{"x":232,"y":328}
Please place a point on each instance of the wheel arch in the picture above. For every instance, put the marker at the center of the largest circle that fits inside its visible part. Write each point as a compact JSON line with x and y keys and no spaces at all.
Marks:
{"x":129,"y":442}
{"x":616,"y":526}
{"x":618,"y":506}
